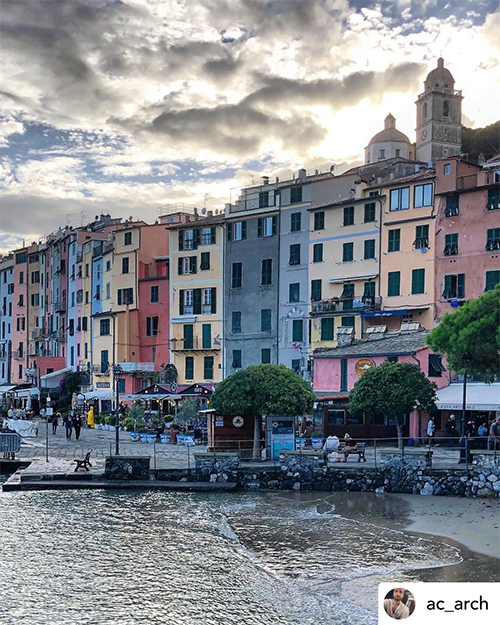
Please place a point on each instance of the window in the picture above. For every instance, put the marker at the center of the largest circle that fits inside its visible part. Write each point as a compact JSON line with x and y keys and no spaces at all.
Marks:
{"x":295,"y":195}
{"x":263,"y":199}
{"x":369,"y":212}
{"x":422,"y":195}
{"x":35,"y":277}
{"x":188,"y":239}
{"x":393,"y":283}
{"x":20,"y":371}
{"x":108,"y":265}
{"x":454,"y":286}
{"x":35,"y":299}
{"x":435,"y":366}
{"x":424,"y":111}
{"x":347,"y":252}
{"x":104,"y":361}
{"x":121,"y":385}
{"x":267,"y":226}
{"x":21,"y":277}
{"x":125,"y":264}
{"x":186,"y":302}
{"x":381,"y":154}
{"x":400,"y":199}
{"x":84,"y":324}
{"x":368,"y":290}
{"x":452,"y":206}
{"x":108,"y":290}
{"x":447,"y":169}
{"x":446,"y":108}
{"x":318,"y":253}
{"x":21,"y":300}
{"x":125,"y":296}
{"x":493,"y":239}
{"x":348,"y":215}
{"x":327,"y":329}
{"x":398,"y":152}
{"x":370,"y":248}
{"x":206,"y":336}
{"x":104,"y":327}
{"x":392,"y":359}
{"x":189,"y":368}
{"x":238,"y":230}
{"x":343,"y":374}
{"x":319,"y":220}
{"x":265,"y":356}
{"x":127,"y":238}
{"x":315,"y":290}
{"x":186,"y":265}
{"x":237,"y":276}
{"x":493,"y":199}
{"x":417,"y":281}
{"x":208,"y":236}
{"x":294,"y":254}
{"x":294,"y":292}
{"x":151,"y":326}
{"x":347,"y":296}
{"x":265,"y":320}
{"x":236,"y":322}
{"x":296,"y":364}
{"x":421,"y":237}
{"x":297,"y":330}
{"x":208,"y":368}
{"x":295,"y":222}
{"x":347,"y":322}
{"x":394,"y":240}
{"x":208,"y":301}
{"x":236,"y":364}
{"x":21,"y":257}
{"x":205,"y":261}
{"x":154,"y":294}
{"x":266,"y":272}
{"x":451,"y":244}
{"x":188,"y":335}
{"x":492,"y":279}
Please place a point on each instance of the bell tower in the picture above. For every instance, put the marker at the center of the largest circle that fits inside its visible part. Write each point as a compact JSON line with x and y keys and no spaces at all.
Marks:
{"x":439,"y":116}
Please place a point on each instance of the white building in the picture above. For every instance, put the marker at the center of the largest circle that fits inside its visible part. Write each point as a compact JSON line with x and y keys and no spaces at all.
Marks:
{"x":389,"y":143}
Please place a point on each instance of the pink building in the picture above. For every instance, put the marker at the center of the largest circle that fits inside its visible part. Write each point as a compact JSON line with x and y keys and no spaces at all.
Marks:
{"x":337,"y":370}
{"x":467,"y":233}
{"x":20,"y":307}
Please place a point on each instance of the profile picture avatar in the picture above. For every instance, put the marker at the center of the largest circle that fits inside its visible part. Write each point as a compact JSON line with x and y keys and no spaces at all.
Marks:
{"x":399,"y":603}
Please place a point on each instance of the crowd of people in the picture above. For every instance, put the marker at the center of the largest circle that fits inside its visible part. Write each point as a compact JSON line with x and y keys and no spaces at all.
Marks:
{"x":481,"y":434}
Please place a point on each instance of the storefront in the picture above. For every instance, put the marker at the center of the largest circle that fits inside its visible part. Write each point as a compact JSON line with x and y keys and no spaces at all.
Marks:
{"x":482,"y":404}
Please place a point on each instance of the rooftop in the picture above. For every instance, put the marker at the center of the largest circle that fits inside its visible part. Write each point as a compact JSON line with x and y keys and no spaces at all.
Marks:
{"x":395,"y":344}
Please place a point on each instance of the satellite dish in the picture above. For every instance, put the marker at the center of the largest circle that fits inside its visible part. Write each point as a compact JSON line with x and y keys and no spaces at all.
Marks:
{"x":203,"y":211}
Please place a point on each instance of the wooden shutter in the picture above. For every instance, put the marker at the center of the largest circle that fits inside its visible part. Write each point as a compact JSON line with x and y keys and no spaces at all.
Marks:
{"x":180,"y":268}
{"x":213,"y":300}
{"x":229,"y":227}
{"x":259,"y":227}
{"x":192,"y":263}
{"x":243,"y":229}
{"x":196,"y":238}
{"x":181,"y":240}
{"x":119,"y":297}
{"x":275,"y":224}
{"x":181,"y":302}
{"x":197,"y":301}
{"x":213,"y":236}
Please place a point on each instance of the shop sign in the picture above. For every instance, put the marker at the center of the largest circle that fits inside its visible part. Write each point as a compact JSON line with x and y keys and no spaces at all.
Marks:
{"x":363,"y":365}
{"x":102,"y":384}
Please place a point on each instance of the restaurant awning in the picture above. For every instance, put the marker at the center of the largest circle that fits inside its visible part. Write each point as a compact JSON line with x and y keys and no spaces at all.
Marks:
{"x":480,"y":396}
{"x":100,"y":394}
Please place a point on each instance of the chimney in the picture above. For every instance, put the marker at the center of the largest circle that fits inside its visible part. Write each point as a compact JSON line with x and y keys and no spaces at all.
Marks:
{"x":265,"y":179}
{"x":210,"y":214}
{"x":302,"y":174}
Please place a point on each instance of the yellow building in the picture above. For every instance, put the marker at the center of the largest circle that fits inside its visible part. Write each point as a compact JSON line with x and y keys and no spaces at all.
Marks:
{"x":344,"y":253}
{"x":196,"y":292}
{"x":408,"y":252}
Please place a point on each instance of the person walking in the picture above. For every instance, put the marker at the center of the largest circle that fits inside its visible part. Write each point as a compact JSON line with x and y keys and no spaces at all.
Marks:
{"x":451,"y":430}
{"x":431,"y":430}
{"x":77,"y":424}
{"x":68,"y":424}
{"x":494,"y":435}
{"x":55,"y":422}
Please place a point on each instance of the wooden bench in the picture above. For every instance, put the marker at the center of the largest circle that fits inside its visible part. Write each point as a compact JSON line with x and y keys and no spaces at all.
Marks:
{"x":83,"y":461}
{"x":360,"y":451}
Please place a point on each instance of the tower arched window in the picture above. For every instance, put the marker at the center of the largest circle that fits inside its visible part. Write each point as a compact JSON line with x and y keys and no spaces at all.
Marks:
{"x":424,"y":110}
{"x":446,"y":108}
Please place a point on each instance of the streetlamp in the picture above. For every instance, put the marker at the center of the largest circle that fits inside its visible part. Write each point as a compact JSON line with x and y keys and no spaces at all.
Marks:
{"x":466,"y":360}
{"x":117,"y":371}
{"x":48,"y":403}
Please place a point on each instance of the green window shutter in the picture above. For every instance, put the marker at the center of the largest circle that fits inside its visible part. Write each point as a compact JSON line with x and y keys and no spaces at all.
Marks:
{"x":296,"y":365}
{"x":347,"y":322}
{"x":196,"y":301}
{"x":319,"y":220}
{"x":297,"y":330}
{"x":327,"y":326}
{"x":369,"y":289}
{"x":213,"y":235}
{"x":229,"y":231}
{"x":206,"y":340}
{"x":417,"y":281}
{"x":295,"y":222}
{"x":294,"y":254}
{"x":318,"y":253}
{"x":181,"y":302}
{"x":347,"y":252}
{"x":493,"y":199}
{"x":315,"y":290}
{"x":208,"y":367}
{"x":192,"y":264}
{"x":265,"y":356}
{"x":189,"y":368}
{"x":343,"y":374}
{"x":393,"y":287}
{"x":213,"y":300}
{"x":188,"y":336}
{"x":370,"y":212}
{"x":236,"y":359}
{"x":348,"y":215}
{"x":370,"y":248}
{"x":274,"y":224}
{"x":394,"y":240}
{"x":243,"y":229}
{"x":461,"y":286}
{"x":295,"y":195}
{"x":492,"y":279}
{"x":447,"y":287}
{"x":260,"y":223}
{"x":294,"y":292}
{"x":181,"y":240}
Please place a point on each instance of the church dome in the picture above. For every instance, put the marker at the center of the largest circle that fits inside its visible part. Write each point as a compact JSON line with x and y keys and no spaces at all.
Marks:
{"x":388,"y":143}
{"x":439,"y":77}
{"x":389,"y":133}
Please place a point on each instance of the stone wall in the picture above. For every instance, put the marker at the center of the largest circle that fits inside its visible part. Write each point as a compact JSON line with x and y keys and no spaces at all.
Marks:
{"x":127,"y":468}
{"x":218,"y":467}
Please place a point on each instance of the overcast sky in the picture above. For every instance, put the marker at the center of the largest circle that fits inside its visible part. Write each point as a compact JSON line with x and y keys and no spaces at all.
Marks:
{"x":126,"y":106}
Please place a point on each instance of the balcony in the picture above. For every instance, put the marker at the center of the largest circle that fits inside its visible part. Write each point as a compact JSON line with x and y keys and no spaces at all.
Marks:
{"x":59,"y":335}
{"x":60,"y":305}
{"x":101,"y":369}
{"x":338,"y":305}
{"x":196,"y":344}
{"x":18,"y":354}
{"x":137,"y":367}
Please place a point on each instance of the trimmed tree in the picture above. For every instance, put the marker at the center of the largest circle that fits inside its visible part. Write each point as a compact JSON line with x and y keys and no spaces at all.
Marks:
{"x":262,"y":390}
{"x":469,"y":338}
{"x":393,"y":390}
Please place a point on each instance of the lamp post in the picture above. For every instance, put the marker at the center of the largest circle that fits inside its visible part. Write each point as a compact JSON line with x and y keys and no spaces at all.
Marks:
{"x":117,"y":370}
{"x":48,"y":403}
{"x":463,"y":443}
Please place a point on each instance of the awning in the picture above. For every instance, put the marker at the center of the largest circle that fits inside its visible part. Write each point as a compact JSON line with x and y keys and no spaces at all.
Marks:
{"x":28,"y":392}
{"x":54,"y":374}
{"x":352,"y":279}
{"x":385,"y":313}
{"x":6,"y":389}
{"x":480,"y":396}
{"x":100,"y":394}
{"x":144,"y":397}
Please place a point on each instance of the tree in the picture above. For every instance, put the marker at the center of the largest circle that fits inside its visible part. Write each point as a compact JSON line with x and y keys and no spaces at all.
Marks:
{"x":477,"y":141}
{"x":70,"y":384}
{"x":392,"y":390}
{"x":261,"y":390}
{"x":469,"y":338}
{"x":188,"y":412}
{"x":168,"y":373}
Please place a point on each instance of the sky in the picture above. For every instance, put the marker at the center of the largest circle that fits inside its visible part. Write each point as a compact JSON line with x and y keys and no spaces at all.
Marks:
{"x":129,"y":107}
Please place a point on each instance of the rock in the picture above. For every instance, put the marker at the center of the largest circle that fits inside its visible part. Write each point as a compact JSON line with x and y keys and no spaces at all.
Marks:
{"x":296,"y":486}
{"x":213,"y":477}
{"x":496,"y":487}
{"x":380,"y":490}
{"x":428,"y":489}
{"x":492,"y":478}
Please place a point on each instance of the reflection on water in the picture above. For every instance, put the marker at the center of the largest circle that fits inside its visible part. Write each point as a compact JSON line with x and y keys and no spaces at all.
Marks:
{"x":159,"y":557}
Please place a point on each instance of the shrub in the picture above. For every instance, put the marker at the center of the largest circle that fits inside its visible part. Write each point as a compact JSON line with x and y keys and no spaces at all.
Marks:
{"x":168,"y":418}
{"x":129,"y":424}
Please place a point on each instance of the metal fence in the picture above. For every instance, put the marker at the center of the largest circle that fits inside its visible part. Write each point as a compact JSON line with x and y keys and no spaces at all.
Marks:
{"x":10,"y":443}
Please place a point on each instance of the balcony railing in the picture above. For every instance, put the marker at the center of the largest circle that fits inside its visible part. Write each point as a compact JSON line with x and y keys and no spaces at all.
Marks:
{"x":102,"y":369}
{"x":59,"y":335}
{"x":18,"y":354}
{"x":339,"y":305}
{"x":60,"y":305}
{"x":194,"y":344}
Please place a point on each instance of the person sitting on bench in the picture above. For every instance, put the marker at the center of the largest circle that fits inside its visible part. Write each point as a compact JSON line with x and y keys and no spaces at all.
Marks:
{"x":351,"y":446}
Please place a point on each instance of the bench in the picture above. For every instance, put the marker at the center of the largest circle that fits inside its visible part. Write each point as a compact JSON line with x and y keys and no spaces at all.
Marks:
{"x":360,"y":451}
{"x":83,"y":461}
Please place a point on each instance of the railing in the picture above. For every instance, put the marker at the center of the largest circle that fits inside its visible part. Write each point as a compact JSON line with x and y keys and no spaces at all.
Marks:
{"x":10,"y":443}
{"x":18,"y":354}
{"x":59,"y":335}
{"x":345,"y":304}
{"x":102,"y":369}
{"x":59,"y":305}
{"x":194,"y":344}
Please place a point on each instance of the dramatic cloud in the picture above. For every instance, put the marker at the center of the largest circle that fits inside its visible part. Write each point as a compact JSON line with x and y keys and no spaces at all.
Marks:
{"x":122,"y":106}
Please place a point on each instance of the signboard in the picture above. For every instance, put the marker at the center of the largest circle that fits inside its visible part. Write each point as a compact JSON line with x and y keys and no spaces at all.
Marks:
{"x":173,"y":387}
{"x":219,"y":422}
{"x":102,"y":384}
{"x":49,"y":411}
{"x":363,"y":365}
